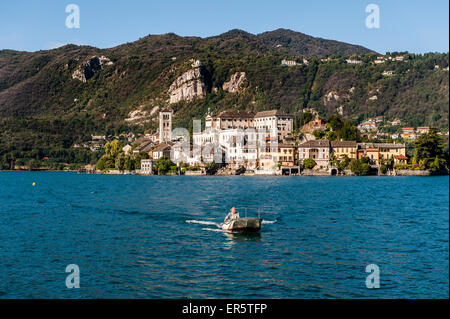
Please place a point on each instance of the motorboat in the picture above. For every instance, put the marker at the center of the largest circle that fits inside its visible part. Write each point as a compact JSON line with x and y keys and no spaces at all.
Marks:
{"x":246,"y":224}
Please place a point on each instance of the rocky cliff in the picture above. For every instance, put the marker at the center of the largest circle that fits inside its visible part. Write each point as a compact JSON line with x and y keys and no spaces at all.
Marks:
{"x":235,"y":83}
{"x":87,"y":69}
{"x":188,"y":86}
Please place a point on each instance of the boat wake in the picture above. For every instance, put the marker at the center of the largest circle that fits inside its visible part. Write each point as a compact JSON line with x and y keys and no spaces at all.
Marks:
{"x":215,"y":229}
{"x":218,"y":225}
{"x":202,"y":222}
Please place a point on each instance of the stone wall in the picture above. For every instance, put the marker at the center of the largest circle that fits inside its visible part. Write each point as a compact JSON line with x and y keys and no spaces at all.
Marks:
{"x":407,"y":172}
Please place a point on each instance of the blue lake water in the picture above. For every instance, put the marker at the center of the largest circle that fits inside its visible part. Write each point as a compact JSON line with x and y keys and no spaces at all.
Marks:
{"x":156,"y":237}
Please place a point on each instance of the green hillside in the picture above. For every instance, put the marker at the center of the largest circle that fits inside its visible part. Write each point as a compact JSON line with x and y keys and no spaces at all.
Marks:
{"x":44,"y":110}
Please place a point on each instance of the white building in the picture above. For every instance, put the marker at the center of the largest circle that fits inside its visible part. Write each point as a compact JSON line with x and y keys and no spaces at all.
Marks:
{"x":285,"y":62}
{"x":146,"y":166}
{"x":126,"y":149}
{"x":367,"y":127}
{"x":277,"y":123}
{"x":318,"y":150}
{"x":350,"y":61}
{"x":240,"y":133}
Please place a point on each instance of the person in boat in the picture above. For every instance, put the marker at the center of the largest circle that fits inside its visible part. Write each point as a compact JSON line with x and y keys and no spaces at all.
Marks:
{"x":233,"y":214}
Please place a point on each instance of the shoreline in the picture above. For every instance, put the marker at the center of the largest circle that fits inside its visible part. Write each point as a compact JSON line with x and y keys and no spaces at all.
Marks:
{"x":421,"y":173}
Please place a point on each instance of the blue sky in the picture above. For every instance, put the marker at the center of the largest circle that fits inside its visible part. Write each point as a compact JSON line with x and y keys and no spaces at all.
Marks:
{"x":405,"y":25}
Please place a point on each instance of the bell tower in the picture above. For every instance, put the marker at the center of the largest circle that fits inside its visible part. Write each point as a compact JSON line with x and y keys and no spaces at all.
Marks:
{"x":165,"y":125}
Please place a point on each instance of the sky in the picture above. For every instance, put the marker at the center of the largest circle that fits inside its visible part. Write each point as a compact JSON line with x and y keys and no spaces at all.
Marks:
{"x":405,"y":25}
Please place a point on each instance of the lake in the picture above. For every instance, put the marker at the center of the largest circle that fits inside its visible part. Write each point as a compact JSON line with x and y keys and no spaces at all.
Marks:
{"x":157,"y":236}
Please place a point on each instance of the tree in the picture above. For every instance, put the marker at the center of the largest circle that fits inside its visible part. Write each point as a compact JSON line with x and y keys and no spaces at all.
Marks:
{"x":295,"y":128}
{"x":305,"y":118}
{"x":211,"y":168}
{"x":342,"y":165}
{"x":341,"y":129}
{"x":309,"y":163}
{"x":319,"y":134}
{"x":113,"y":148}
{"x":105,"y":163}
{"x":437,"y":164}
{"x":359,"y":168}
{"x":138,"y":158}
{"x":120,"y":161}
{"x":163,"y":165}
{"x":130,"y":164}
{"x":429,"y":149}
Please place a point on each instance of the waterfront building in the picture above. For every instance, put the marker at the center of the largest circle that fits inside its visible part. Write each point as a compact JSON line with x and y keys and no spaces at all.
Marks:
{"x":286,"y":154}
{"x":371,"y":151}
{"x":146,"y":167}
{"x":287,"y":159}
{"x":400,"y":159}
{"x":240,"y":147}
{"x":211,"y":153}
{"x":341,"y":149}
{"x":240,"y":132}
{"x":318,"y":150}
{"x":390,"y":150}
{"x":268,"y":157}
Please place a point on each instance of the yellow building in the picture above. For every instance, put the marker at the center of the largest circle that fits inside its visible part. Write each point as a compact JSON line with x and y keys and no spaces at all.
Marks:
{"x":340,"y":149}
{"x":268,"y":156}
{"x":377,"y":152}
{"x":389,"y":151}
{"x":286,"y":154}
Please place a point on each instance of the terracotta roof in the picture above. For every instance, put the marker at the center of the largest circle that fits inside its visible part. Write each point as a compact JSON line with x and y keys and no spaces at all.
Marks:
{"x":284,"y":145}
{"x":161,"y":147}
{"x":401,"y":157}
{"x":143,"y":145}
{"x":234,"y":114}
{"x":316,"y":143}
{"x":271,"y":113}
{"x":146,"y":148}
{"x":343,"y":144}
{"x":389,"y":145}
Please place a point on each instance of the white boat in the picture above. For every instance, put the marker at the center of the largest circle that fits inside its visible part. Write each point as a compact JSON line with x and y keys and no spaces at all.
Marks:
{"x":246,"y":224}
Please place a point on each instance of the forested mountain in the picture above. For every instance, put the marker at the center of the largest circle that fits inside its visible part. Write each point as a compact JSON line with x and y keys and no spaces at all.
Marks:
{"x":52,"y":99}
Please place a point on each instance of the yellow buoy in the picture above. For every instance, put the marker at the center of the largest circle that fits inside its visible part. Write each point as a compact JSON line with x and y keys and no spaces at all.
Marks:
{"x":34,"y":184}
